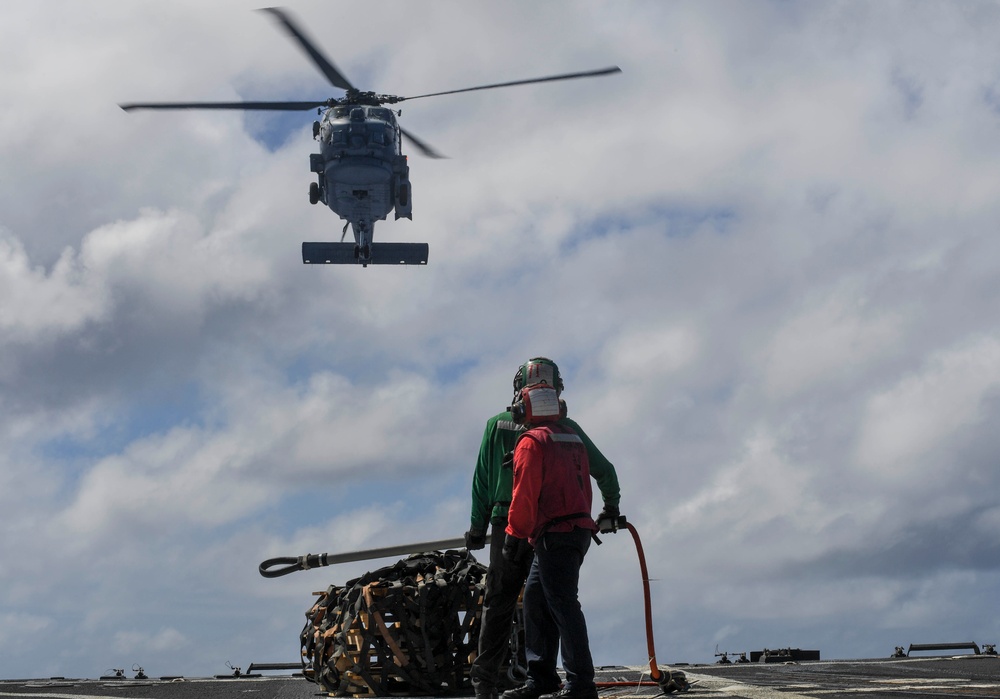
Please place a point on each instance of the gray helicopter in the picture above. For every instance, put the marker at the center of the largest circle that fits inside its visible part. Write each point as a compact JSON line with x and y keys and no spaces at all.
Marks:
{"x":361,"y":171}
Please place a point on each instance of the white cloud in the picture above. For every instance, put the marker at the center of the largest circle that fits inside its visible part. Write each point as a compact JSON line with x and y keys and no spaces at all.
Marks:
{"x":42,"y":306}
{"x":764,"y":256}
{"x":647,"y":352}
{"x":922,"y":412}
{"x":829,"y":340}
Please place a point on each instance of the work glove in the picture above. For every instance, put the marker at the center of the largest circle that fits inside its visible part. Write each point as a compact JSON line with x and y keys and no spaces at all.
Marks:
{"x":475,"y":539}
{"x":515,"y":550}
{"x":607,"y":521}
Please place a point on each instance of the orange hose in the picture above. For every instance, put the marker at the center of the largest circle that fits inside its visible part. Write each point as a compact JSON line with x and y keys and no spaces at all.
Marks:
{"x":654,"y":671}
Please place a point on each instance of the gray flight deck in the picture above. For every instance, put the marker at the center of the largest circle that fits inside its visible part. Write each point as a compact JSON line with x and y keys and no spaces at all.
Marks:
{"x":896,"y":678}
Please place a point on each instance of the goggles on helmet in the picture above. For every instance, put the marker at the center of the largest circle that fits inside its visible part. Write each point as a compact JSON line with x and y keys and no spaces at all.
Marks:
{"x":538,"y":370}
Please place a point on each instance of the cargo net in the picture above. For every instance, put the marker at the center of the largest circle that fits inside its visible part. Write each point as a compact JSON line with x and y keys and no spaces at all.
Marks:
{"x":408,"y":629}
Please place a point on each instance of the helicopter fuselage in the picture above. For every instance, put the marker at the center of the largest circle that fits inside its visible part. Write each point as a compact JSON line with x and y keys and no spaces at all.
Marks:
{"x":361,"y":173}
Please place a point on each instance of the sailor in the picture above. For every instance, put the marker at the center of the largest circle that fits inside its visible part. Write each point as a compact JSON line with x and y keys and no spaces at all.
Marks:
{"x":550,"y":513}
{"x":492,"y":487}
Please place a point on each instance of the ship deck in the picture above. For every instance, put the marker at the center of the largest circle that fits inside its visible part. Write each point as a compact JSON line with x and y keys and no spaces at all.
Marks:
{"x":895,"y":678}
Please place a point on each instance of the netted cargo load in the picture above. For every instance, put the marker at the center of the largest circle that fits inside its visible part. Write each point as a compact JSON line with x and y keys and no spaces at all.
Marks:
{"x":411,"y":628}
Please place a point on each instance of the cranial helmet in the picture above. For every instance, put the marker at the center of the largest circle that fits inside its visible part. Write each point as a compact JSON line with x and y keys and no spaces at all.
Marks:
{"x":537,"y":370}
{"x":536,"y":404}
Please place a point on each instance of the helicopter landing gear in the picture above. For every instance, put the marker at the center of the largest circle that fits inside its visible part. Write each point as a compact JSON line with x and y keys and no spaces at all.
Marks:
{"x":314,"y":193}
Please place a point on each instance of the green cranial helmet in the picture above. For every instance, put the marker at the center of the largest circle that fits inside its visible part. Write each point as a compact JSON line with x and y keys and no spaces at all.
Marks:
{"x":538,"y":370}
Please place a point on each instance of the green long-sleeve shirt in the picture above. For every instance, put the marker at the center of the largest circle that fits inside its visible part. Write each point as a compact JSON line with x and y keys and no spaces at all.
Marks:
{"x":492,"y":484}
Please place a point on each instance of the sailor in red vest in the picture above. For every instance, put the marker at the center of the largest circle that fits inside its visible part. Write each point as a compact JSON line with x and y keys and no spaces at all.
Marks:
{"x":550,"y":512}
{"x":500,"y":662}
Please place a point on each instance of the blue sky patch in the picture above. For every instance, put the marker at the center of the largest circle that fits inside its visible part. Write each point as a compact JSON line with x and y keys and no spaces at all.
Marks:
{"x":156,"y":413}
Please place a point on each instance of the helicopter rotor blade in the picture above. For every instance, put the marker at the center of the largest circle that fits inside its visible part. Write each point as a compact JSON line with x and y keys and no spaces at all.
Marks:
{"x":551,"y":78}
{"x":274,"y":106}
{"x":421,"y":145}
{"x":335,"y":77}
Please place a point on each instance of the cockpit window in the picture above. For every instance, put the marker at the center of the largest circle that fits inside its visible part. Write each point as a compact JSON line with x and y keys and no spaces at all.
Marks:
{"x":341,"y":112}
{"x":380,"y":113}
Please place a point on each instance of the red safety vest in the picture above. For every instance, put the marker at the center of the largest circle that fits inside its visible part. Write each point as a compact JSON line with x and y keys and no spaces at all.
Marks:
{"x":552,"y":489}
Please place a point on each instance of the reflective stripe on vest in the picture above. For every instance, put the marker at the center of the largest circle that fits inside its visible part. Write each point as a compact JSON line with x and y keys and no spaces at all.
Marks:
{"x":562,"y":437}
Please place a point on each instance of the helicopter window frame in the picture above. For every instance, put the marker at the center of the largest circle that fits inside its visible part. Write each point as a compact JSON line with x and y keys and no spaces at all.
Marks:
{"x":380,"y":113}
{"x":338,"y":135}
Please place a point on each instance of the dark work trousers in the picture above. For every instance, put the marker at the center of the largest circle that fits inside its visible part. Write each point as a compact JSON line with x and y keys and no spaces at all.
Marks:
{"x":503,"y":586}
{"x":553,"y":618}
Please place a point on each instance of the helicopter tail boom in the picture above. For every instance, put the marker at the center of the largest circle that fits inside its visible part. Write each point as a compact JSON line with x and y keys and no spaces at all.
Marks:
{"x":350,"y":254}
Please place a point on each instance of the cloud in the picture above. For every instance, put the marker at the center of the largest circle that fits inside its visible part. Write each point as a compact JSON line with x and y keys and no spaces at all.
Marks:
{"x":830,"y":339}
{"x":40,"y":305}
{"x":138,"y":642}
{"x":925,"y":411}
{"x":18,"y":625}
{"x":764,"y":256}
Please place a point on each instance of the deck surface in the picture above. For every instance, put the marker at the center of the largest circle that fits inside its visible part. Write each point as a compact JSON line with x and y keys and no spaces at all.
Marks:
{"x":908,"y":678}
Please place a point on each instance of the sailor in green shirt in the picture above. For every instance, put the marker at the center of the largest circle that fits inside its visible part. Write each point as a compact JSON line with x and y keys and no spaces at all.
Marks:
{"x":492,"y":484}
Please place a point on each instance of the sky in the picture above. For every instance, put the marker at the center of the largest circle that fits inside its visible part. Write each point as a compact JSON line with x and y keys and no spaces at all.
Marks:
{"x":765,"y":257}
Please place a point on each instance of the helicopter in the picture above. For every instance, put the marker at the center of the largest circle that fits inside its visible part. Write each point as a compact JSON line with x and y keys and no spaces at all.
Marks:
{"x":361,"y":172}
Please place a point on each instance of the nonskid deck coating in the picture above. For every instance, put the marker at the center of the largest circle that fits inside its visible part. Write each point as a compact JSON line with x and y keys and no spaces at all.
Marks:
{"x":929,"y":678}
